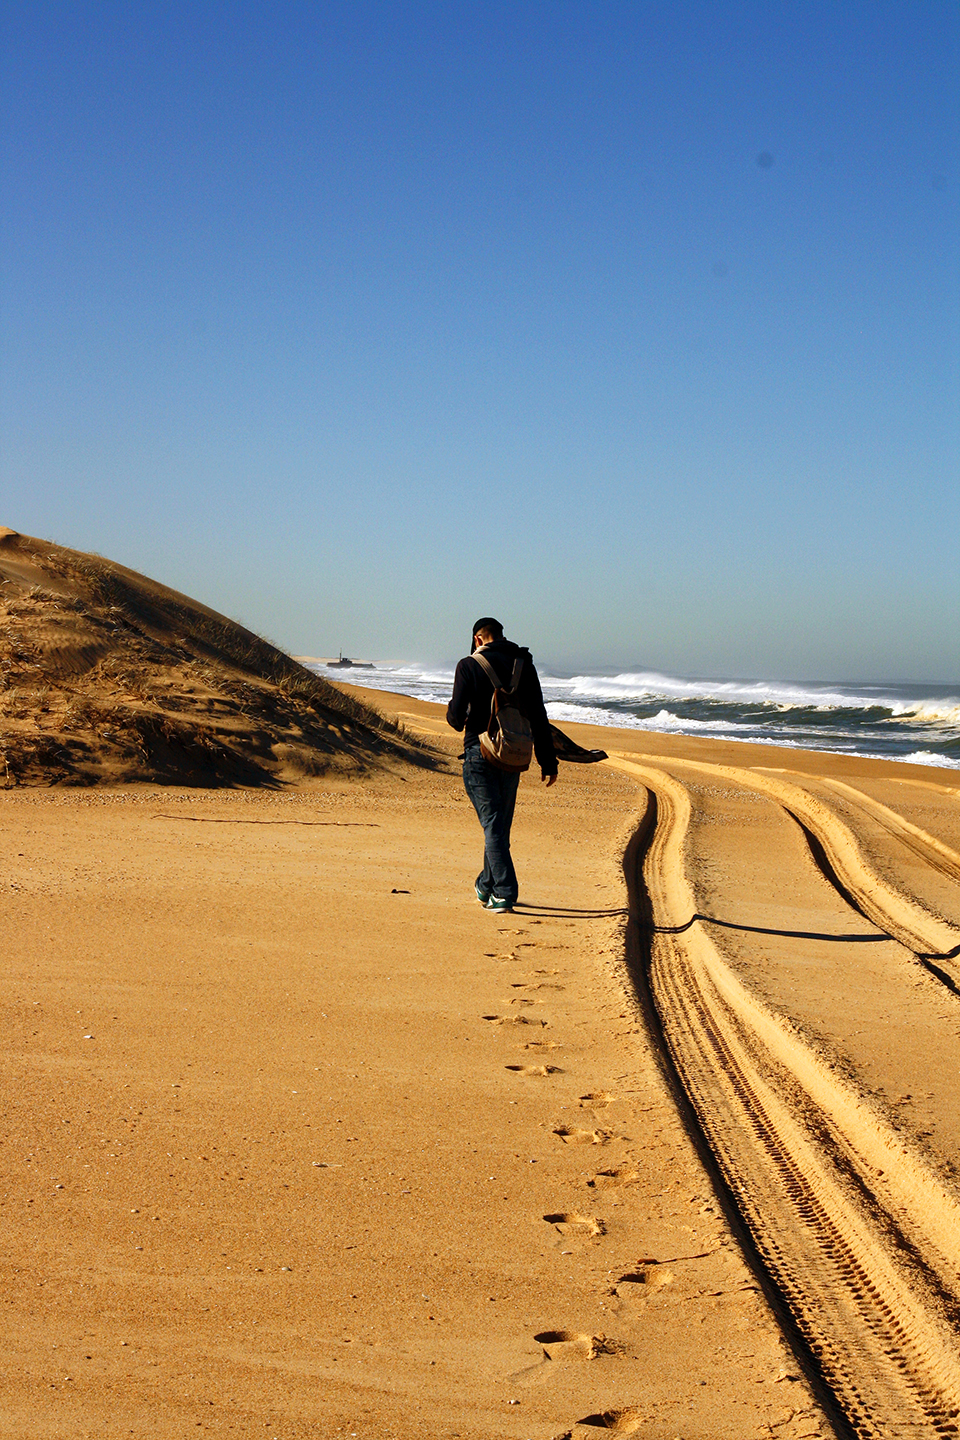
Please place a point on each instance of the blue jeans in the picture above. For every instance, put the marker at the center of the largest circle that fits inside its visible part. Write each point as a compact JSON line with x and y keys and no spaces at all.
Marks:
{"x":494,"y":796}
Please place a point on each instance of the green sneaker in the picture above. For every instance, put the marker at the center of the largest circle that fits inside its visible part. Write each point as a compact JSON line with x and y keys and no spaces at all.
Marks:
{"x":482,"y":895}
{"x":501,"y":906}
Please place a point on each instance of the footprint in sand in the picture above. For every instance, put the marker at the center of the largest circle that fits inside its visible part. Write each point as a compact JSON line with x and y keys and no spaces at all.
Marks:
{"x":623,"y":1422}
{"x":599,"y":1100}
{"x":523,"y":985}
{"x":621,"y":1175}
{"x":543,"y":1045}
{"x":538,"y":1070}
{"x":574,"y":1224}
{"x":639,"y":1285}
{"x":570,"y":1345}
{"x":513,"y":1020}
{"x":571,"y":1136}
{"x":561,"y":1347}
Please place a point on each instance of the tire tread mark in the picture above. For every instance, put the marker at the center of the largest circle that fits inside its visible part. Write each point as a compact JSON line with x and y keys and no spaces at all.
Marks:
{"x":871,"y":1312}
{"x":904,"y":918}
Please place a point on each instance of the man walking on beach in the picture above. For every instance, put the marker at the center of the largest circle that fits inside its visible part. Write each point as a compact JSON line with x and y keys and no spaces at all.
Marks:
{"x":492,"y":790}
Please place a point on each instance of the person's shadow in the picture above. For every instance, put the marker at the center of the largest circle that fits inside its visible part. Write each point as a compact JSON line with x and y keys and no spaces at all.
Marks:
{"x":563,"y":912}
{"x":576,"y":912}
{"x":536,"y":907}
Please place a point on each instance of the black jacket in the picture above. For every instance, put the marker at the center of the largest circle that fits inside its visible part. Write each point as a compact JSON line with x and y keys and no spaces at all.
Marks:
{"x":469,"y":708}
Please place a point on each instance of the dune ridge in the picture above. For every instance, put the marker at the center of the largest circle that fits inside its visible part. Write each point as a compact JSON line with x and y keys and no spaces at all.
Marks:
{"x":109,"y":676}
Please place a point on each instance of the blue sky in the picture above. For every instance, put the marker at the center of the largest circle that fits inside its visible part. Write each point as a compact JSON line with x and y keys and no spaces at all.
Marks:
{"x":635,"y":324}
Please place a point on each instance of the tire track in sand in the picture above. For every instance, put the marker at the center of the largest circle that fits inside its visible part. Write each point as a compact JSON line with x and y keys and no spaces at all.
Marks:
{"x":926,"y":846}
{"x":859,"y":1235}
{"x":901,"y":916}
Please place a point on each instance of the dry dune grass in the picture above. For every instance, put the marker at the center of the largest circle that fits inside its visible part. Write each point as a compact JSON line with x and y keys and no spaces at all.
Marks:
{"x":109,"y":677}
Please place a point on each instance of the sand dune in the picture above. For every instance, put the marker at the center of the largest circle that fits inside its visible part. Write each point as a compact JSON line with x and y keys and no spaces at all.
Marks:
{"x":107,"y":676}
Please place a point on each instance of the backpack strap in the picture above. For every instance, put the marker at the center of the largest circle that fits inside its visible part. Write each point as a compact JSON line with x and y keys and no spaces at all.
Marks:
{"x":489,"y":671}
{"x":494,"y":678}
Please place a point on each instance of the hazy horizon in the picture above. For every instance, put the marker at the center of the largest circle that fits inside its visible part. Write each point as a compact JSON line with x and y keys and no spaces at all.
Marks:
{"x":587,"y":667}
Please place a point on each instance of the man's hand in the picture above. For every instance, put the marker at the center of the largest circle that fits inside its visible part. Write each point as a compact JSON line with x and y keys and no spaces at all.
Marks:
{"x":548,"y":779}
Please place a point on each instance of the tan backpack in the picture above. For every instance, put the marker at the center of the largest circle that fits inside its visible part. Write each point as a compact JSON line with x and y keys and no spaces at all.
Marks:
{"x":507,"y":741}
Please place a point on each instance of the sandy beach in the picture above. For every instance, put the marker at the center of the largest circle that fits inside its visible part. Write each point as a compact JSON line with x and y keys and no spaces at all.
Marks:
{"x":630,"y":329}
{"x":301,"y":1141}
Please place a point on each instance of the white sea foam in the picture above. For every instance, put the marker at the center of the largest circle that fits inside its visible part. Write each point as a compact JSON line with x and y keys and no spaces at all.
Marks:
{"x":664,"y":720}
{"x":561,"y":711}
{"x":927,"y":757}
{"x":930,"y":712}
{"x":884,"y":721}
{"x":649,"y":685}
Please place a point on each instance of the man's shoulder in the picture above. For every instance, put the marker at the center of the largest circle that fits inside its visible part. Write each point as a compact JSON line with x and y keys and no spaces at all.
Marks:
{"x":505,"y":650}
{"x":502,"y":655}
{"x":520,"y":652}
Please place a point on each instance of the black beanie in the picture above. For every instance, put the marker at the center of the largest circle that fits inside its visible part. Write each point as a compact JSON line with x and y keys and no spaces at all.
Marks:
{"x":486,"y":622}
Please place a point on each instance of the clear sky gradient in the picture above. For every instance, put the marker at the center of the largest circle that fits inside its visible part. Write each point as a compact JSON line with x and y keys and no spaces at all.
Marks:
{"x":634,"y":324}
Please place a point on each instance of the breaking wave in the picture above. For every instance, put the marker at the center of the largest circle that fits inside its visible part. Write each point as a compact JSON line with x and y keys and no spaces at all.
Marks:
{"x":915,"y":723}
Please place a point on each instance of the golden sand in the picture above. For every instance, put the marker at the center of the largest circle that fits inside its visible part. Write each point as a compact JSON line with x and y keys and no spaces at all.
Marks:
{"x":300,"y":1141}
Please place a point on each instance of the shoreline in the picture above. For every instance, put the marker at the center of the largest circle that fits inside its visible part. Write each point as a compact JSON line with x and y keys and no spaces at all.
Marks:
{"x":655,"y":743}
{"x":921,"y":733}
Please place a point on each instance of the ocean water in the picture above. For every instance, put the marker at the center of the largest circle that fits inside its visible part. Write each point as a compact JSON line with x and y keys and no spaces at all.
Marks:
{"x":917,"y":723}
